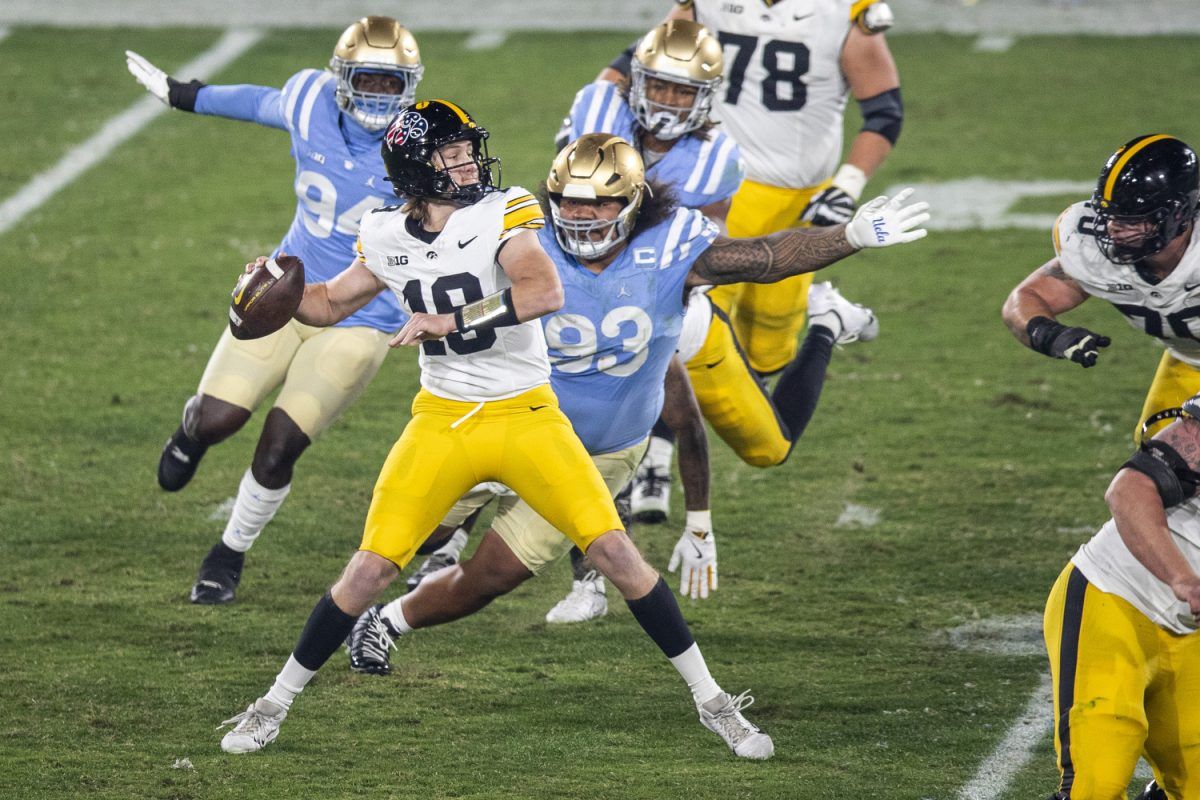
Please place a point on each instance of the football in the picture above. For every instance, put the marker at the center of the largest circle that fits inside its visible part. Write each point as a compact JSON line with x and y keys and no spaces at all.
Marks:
{"x":265,"y":298}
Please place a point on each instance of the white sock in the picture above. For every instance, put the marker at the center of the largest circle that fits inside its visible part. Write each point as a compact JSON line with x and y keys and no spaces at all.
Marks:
{"x":658,"y":454}
{"x":393,"y":614}
{"x":290,"y":682}
{"x":455,"y":544}
{"x":691,"y":666}
{"x":253,"y":509}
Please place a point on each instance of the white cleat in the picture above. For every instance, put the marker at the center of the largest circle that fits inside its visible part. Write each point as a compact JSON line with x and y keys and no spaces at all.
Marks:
{"x":256,"y":727}
{"x":651,"y":497}
{"x":850,"y":322}
{"x":723,"y":716}
{"x":585,"y":601}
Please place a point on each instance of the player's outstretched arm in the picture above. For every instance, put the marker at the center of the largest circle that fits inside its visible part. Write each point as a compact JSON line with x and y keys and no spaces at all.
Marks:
{"x":329,"y":303}
{"x":883,"y":222}
{"x":1154,"y":479}
{"x":1031,"y":312}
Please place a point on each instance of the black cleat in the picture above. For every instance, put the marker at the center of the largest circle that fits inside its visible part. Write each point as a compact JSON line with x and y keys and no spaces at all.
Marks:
{"x":435,"y":563}
{"x":1152,"y":792}
{"x":220,"y":572}
{"x":178,"y":462}
{"x":370,"y":643}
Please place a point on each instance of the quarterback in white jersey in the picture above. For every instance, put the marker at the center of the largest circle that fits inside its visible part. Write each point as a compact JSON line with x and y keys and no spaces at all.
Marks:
{"x":1120,"y":628}
{"x":460,"y":265}
{"x":1134,"y":245}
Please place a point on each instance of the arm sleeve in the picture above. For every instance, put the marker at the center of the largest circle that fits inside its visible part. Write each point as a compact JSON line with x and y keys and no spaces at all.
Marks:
{"x":246,"y":102}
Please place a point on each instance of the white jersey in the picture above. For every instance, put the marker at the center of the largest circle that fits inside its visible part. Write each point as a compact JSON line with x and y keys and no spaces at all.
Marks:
{"x":458,"y":267}
{"x":1168,"y":310}
{"x":697,"y":316}
{"x":1109,"y":566}
{"x":784,"y":95}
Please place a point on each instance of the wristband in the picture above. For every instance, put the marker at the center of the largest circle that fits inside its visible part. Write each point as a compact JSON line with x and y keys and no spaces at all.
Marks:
{"x":699,"y":520}
{"x":851,"y":180}
{"x":494,"y":311}
{"x":183,"y":95}
{"x":1041,"y":332}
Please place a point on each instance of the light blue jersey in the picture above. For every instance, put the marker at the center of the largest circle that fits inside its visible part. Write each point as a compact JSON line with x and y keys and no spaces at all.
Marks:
{"x":700,"y":171}
{"x":339,"y":175}
{"x":611,"y":342}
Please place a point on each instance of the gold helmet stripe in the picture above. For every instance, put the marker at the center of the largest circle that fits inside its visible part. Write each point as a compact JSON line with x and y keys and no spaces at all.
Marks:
{"x":1124,"y":159}
{"x":462,"y":115}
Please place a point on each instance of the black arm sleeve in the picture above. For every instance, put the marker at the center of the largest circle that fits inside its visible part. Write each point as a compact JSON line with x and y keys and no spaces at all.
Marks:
{"x":183,"y":95}
{"x":883,"y":114}
{"x":1173,"y":478}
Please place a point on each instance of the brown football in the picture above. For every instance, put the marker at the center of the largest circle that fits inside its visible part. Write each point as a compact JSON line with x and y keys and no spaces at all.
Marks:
{"x":265,"y":298}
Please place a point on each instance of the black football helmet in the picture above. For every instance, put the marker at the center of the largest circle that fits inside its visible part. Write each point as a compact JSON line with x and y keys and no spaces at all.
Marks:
{"x":1151,"y":179}
{"x":415,"y":134}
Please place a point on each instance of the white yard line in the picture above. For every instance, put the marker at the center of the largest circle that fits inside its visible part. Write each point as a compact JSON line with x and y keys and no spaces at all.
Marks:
{"x":486,"y":39}
{"x":117,"y":131}
{"x":1010,"y":756}
{"x":994,"y":43}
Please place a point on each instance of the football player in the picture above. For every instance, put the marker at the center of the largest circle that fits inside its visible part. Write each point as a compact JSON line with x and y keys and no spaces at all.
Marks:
{"x":788,"y":70}
{"x":627,"y":259}
{"x":663,"y":109}
{"x":334,"y":120}
{"x":1121,"y":629}
{"x":463,"y":258}
{"x":1134,"y":245}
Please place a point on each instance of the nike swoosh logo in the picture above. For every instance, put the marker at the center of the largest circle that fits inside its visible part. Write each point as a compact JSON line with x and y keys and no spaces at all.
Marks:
{"x":535,"y":408}
{"x":802,"y":16}
{"x":715,"y":363}
{"x":240,"y":288}
{"x":1188,"y":288}
{"x":697,"y":549}
{"x":461,"y":245}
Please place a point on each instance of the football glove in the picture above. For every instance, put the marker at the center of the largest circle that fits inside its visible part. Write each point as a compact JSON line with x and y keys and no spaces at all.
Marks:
{"x":830,"y":207}
{"x":883,"y":222}
{"x":696,"y":551}
{"x":149,"y":76}
{"x":1058,"y":341}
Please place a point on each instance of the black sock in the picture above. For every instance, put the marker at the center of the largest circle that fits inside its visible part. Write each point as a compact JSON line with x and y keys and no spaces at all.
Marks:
{"x":326,"y":629}
{"x":660,"y":617}
{"x":799,"y":387}
{"x":663,"y":431}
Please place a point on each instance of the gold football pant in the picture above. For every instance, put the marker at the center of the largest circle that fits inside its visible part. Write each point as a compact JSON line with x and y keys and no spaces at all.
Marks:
{"x":732,"y":399}
{"x":1123,"y":688}
{"x":449,"y":446}
{"x":322,"y":370}
{"x":1173,"y":383}
{"x":767,"y":317}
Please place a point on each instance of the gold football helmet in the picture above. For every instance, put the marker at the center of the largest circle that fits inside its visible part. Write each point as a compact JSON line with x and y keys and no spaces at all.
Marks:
{"x":682,"y":52}
{"x":378,"y":45}
{"x":596,"y":166}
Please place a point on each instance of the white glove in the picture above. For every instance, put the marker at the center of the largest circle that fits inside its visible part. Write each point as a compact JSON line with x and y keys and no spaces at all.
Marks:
{"x":697,"y":552}
{"x":883,"y":222}
{"x":148,"y":75}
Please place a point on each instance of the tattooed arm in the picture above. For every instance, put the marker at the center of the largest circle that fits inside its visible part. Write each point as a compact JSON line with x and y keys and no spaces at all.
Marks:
{"x":1047,"y":292}
{"x":1137,"y":508}
{"x":883,"y":222}
{"x":767,"y":259}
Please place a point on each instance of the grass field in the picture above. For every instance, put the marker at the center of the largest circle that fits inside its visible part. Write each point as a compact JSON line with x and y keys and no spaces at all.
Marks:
{"x":987,"y":463}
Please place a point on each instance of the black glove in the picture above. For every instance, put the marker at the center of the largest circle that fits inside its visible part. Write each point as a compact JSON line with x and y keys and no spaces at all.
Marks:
{"x":832,"y":206}
{"x":1058,"y":341}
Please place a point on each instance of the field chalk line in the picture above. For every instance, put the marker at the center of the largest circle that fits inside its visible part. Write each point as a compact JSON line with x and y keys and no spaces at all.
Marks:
{"x":116,"y":131}
{"x":1014,"y":751}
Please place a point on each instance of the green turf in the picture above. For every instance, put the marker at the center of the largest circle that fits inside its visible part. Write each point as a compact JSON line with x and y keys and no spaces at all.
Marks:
{"x":988,"y":463}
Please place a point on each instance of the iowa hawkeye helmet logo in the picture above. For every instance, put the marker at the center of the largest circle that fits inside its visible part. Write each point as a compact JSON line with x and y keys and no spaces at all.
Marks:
{"x":410,"y":126}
